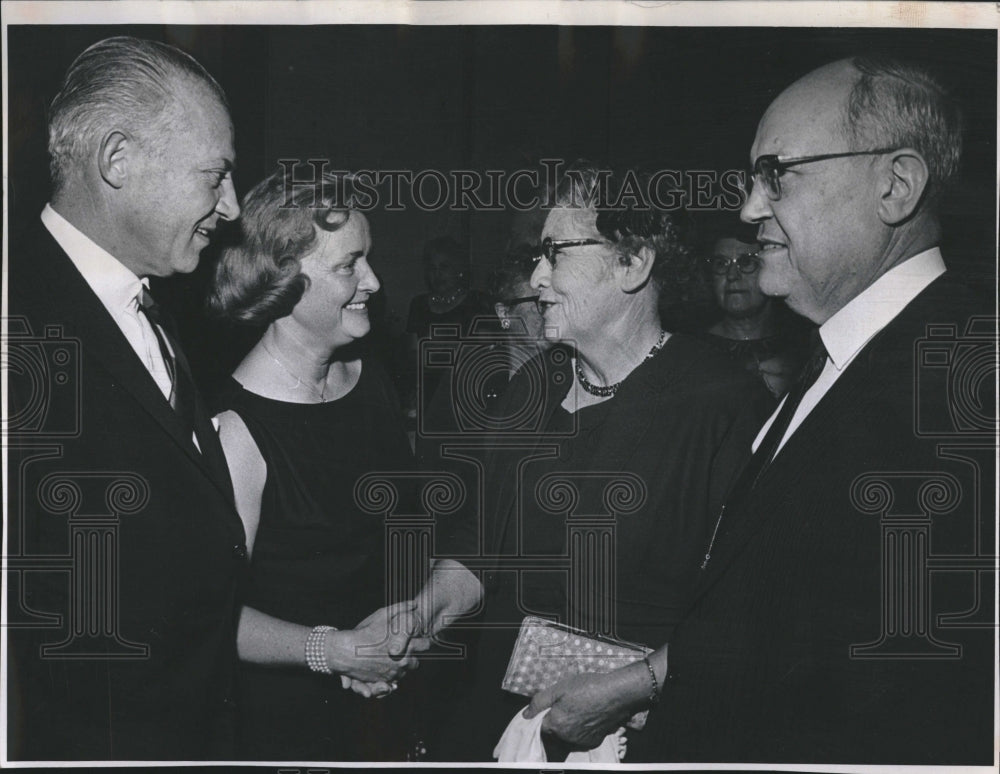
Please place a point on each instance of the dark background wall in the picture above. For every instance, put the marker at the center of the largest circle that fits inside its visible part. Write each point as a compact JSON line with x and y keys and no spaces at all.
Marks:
{"x":478,"y":97}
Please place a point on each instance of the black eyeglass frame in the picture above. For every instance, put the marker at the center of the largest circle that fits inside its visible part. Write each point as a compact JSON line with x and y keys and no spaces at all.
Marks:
{"x":771,"y":161}
{"x":509,"y":302}
{"x":549,"y":247}
{"x":717,"y":262}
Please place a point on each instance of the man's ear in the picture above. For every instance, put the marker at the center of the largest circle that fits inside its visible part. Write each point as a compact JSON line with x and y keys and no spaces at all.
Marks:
{"x":501,"y":310}
{"x":637,"y":270}
{"x":112,"y":158}
{"x":904,"y":185}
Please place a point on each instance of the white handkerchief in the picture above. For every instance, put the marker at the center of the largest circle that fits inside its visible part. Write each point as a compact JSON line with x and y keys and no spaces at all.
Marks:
{"x":522,"y":743}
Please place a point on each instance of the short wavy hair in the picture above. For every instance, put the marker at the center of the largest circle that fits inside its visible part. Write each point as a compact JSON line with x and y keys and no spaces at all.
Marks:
{"x":118,"y":82}
{"x":260,"y":279}
{"x":900,"y":104}
{"x":633,"y":222}
{"x":712,"y":225}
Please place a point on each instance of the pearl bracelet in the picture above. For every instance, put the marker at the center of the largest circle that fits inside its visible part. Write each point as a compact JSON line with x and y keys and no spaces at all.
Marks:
{"x":654,"y":696}
{"x":316,"y":649}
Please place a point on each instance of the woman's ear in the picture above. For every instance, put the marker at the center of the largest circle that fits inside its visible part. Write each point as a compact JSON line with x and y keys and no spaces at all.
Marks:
{"x":637,"y":270}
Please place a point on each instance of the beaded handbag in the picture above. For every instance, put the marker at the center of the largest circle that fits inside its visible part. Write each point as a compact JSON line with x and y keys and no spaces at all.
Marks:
{"x":547,"y":652}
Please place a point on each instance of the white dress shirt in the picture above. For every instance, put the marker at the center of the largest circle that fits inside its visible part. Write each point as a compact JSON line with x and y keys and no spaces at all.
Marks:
{"x":846,"y":333}
{"x":118,"y":290}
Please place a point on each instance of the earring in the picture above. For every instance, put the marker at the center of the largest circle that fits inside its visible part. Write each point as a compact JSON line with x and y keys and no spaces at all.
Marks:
{"x":505,"y":323}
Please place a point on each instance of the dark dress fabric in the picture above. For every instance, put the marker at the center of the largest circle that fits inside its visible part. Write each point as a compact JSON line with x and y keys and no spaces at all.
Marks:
{"x":790,"y":348}
{"x":319,"y":559}
{"x":473,"y":317}
{"x":421,"y":318}
{"x":823,"y":630}
{"x":653,"y":464}
{"x":469,"y":397}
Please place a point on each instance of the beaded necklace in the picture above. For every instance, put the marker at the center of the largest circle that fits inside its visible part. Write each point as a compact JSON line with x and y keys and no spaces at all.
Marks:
{"x":447,"y":300}
{"x":611,"y":389}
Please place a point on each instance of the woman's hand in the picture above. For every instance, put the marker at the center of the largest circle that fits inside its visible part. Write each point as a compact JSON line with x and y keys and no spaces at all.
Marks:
{"x":379,"y":690}
{"x":401,"y":628}
{"x":584,"y":709}
{"x":379,"y":649}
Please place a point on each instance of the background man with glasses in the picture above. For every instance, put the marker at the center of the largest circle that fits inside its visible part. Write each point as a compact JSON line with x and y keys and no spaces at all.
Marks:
{"x":817,"y":632}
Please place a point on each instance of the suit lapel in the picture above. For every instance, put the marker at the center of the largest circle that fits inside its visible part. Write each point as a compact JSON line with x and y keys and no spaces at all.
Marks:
{"x":74,"y":305}
{"x":889,"y":352}
{"x":792,"y":463}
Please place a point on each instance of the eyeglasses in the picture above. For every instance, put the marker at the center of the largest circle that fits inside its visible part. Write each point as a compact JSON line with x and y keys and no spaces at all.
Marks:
{"x":769,"y":168}
{"x":509,"y":302}
{"x":550,"y":247}
{"x":747,"y":263}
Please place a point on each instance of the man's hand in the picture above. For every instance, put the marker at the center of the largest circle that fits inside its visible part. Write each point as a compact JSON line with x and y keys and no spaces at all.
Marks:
{"x":380,"y":649}
{"x":399,"y":628}
{"x":586,"y":708}
{"x":778,"y":372}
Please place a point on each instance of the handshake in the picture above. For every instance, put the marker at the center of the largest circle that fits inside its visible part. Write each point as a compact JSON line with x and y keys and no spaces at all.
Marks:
{"x":375,"y":654}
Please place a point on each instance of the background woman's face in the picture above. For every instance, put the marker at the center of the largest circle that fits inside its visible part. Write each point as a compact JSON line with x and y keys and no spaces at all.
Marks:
{"x":736,"y":293}
{"x":525,"y":319}
{"x":443,"y":274}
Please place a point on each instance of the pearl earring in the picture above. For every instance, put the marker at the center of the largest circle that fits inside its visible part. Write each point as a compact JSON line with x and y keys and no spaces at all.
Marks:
{"x":505,"y":323}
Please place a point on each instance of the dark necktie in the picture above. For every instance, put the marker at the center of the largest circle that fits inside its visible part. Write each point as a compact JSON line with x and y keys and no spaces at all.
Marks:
{"x":762,"y":458}
{"x":183,"y":394}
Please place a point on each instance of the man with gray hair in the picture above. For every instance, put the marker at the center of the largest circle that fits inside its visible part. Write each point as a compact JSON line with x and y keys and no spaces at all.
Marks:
{"x":817,"y":631}
{"x":122,"y":634}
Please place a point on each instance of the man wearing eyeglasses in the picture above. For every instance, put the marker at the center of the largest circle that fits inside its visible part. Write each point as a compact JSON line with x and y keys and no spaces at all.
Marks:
{"x":818,"y":632}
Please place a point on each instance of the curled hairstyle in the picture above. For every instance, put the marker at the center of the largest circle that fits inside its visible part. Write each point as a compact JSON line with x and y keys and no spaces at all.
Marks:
{"x":260,"y":279}
{"x":896,"y":104}
{"x":713,"y":225}
{"x":631,"y":221}
{"x":118,"y":82}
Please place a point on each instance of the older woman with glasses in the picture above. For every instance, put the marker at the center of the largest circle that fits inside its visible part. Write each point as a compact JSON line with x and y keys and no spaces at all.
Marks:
{"x":758,"y":331}
{"x":601,"y":517}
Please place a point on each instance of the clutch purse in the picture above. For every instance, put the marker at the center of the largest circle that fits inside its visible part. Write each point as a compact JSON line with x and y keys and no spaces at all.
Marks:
{"x":547,"y":652}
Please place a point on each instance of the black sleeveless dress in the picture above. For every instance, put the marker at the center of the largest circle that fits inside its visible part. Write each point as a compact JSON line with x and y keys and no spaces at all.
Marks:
{"x":320,"y":559}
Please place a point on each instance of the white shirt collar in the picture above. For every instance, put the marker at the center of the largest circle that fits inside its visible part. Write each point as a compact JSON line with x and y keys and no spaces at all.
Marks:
{"x":113,"y":283}
{"x":866,"y":314}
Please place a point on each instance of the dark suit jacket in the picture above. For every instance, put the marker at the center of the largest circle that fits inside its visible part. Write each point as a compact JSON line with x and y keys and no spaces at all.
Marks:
{"x":888,"y":478}
{"x":125,"y":546}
